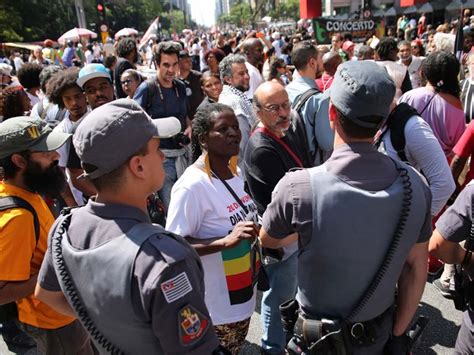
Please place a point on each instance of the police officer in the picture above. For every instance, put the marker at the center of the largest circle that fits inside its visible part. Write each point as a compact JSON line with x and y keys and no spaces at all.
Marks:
{"x":135,"y":287}
{"x":453,"y":227}
{"x":346,"y":215}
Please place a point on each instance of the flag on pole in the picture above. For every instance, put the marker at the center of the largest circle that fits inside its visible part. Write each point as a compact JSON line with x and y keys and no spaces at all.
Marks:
{"x":150,"y":32}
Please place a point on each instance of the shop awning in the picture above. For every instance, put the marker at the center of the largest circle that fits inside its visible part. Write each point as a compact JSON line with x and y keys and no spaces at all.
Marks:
{"x":426,"y":8}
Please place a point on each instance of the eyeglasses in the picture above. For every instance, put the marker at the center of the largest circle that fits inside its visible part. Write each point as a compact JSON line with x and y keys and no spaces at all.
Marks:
{"x":275,"y":108}
{"x":127,"y":81}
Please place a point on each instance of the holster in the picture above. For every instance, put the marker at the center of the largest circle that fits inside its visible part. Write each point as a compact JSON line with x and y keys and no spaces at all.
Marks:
{"x":325,"y":336}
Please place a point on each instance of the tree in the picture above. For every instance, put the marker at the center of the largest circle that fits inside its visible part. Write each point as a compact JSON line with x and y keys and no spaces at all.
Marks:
{"x":289,"y":9}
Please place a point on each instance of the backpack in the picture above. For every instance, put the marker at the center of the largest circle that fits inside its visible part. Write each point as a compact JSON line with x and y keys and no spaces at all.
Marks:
{"x":43,"y":111}
{"x":9,"y":311}
{"x":299,"y":126}
{"x":396,"y":122}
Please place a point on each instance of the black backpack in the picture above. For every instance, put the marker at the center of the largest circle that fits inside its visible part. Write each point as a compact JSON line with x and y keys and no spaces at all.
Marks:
{"x":396,"y":122}
{"x":300,"y":127}
{"x":9,"y":311}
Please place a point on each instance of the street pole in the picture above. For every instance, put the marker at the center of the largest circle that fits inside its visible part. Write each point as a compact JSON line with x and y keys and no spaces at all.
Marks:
{"x":81,"y":18}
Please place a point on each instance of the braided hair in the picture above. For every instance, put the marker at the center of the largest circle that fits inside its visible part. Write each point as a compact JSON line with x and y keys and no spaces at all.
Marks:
{"x":441,"y":69}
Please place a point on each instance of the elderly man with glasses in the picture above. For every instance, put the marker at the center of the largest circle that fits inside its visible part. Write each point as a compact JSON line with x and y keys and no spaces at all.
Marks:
{"x":271,"y":151}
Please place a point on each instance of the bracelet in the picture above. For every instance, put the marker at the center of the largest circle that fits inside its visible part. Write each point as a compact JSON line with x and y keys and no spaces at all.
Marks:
{"x":467,"y":258}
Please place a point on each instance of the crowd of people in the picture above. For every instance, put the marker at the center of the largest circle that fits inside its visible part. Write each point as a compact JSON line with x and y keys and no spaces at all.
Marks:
{"x":314,"y":173}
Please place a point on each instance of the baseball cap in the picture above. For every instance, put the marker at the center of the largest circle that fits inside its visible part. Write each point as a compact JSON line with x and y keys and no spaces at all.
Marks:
{"x":114,"y":132}
{"x":347,"y":45}
{"x":22,"y":133}
{"x":92,"y":71}
{"x":362,"y":91}
{"x":6,"y":69}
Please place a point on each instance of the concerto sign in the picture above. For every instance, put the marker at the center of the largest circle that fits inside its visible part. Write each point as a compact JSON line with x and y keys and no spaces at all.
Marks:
{"x":360,"y":29}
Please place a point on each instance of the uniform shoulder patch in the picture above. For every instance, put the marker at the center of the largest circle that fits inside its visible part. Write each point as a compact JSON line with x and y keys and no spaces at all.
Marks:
{"x":192,"y":325}
{"x":176,"y":287}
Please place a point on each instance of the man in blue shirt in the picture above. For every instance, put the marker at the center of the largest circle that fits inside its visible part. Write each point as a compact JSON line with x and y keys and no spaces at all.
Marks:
{"x":309,"y":66}
{"x":168,"y":98}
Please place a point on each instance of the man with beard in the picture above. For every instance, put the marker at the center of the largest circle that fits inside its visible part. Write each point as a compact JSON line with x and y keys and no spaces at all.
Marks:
{"x":272,"y":151}
{"x":96,"y":84}
{"x":235,"y":76}
{"x":314,"y":112}
{"x":127,"y":54}
{"x":30,"y":168}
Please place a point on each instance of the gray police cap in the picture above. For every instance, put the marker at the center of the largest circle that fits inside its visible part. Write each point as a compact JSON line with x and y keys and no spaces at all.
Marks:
{"x":362,"y":91}
{"x":114,"y":132}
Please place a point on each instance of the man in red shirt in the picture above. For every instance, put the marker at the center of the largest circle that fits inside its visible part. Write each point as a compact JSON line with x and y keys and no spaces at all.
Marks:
{"x":331,"y":61}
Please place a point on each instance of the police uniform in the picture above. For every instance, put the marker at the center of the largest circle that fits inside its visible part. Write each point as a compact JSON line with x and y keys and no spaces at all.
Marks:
{"x":136,"y":288}
{"x":454,"y":225}
{"x":167,"y":290}
{"x":346,"y":212}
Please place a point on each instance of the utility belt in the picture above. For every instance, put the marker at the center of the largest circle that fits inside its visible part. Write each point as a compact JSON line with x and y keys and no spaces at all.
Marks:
{"x":326,"y":336}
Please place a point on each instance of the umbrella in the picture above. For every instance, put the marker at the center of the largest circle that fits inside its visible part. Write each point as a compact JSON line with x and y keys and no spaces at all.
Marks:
{"x":391,"y":12}
{"x":379,"y":13}
{"x":75,"y":34}
{"x":125,"y":32}
{"x":426,"y":8}
{"x":469,"y":4}
{"x":454,"y":6}
{"x":410,"y":10}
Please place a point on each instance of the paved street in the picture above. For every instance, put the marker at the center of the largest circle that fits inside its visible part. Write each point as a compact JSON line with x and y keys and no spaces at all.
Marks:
{"x":438,"y":338}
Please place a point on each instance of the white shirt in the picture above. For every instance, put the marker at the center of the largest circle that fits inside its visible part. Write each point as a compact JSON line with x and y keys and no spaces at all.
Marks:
{"x":425,"y":154}
{"x":255,"y":79}
{"x":201,"y":207}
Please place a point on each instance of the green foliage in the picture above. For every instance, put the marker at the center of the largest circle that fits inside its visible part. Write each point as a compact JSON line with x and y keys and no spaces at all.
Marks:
{"x":289,"y":9}
{"x":239,"y":15}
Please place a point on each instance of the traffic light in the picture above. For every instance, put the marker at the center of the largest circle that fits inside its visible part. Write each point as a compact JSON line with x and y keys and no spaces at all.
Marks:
{"x":101,"y":11}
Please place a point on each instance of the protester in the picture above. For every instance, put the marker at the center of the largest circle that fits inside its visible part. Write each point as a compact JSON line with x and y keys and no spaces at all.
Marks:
{"x":211,"y":85}
{"x":272,"y":150}
{"x":331,"y":61}
{"x":192,"y":79}
{"x":412,"y":63}
{"x":438,"y":102}
{"x":211,"y":209}
{"x":279,"y":72}
{"x":130,"y":81}
{"x":15,"y":102}
{"x":28,"y":76}
{"x":213,"y":58}
{"x":314,"y":112}
{"x":127,"y":54}
{"x":235,"y":76}
{"x":165,"y":96}
{"x":252,"y":48}
{"x":29,"y":162}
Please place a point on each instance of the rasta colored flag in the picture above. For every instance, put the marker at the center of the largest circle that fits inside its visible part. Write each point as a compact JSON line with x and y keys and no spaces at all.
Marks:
{"x":240,"y":272}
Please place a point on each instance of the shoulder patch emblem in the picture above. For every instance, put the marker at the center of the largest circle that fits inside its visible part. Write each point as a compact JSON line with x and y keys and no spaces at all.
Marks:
{"x":175,"y":288}
{"x":192,"y":325}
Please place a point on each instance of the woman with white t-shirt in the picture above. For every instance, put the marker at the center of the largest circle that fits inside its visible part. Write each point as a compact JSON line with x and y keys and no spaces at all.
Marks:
{"x":211,"y":209}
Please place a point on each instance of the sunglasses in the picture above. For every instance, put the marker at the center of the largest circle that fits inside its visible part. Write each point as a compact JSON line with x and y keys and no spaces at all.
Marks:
{"x":126,"y":82}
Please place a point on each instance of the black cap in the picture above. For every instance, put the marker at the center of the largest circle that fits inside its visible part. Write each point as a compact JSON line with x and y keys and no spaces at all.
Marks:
{"x":183,"y":54}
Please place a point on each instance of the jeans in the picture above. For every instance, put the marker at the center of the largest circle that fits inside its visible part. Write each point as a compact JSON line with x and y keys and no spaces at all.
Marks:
{"x":283,"y":283}
{"x":170,"y":179}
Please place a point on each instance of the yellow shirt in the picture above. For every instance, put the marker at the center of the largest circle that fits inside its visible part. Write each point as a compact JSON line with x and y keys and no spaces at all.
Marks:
{"x":17,"y":245}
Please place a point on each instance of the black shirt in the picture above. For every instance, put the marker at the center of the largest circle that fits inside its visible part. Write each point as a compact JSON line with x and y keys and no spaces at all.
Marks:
{"x":193,"y":91}
{"x":265,"y":163}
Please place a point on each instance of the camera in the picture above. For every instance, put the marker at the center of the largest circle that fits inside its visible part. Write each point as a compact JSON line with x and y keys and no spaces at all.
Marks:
{"x":182,"y":139}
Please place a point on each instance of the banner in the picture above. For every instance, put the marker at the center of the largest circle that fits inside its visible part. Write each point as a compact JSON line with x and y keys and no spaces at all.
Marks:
{"x":360,"y":29}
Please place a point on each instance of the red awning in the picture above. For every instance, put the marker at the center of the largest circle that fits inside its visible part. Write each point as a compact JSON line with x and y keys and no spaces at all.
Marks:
{"x":408,"y":3}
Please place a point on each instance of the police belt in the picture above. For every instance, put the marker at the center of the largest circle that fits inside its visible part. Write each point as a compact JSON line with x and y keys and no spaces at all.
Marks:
{"x":318,"y":333}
